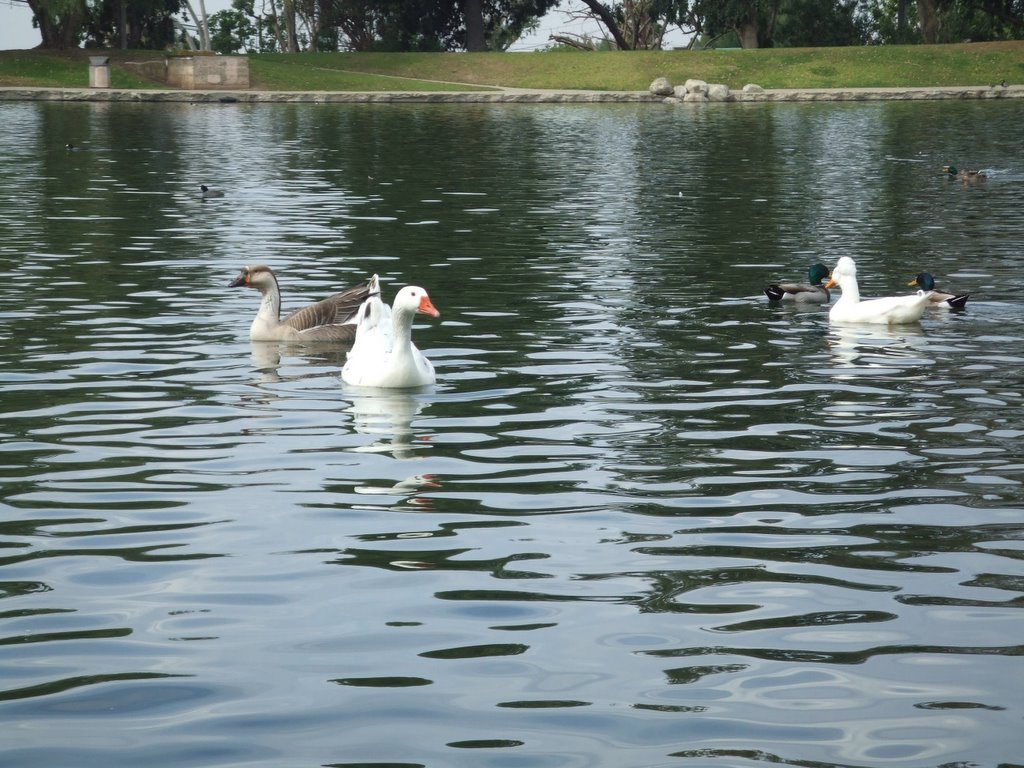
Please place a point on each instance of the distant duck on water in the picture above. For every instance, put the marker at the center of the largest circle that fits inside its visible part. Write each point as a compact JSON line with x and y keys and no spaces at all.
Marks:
{"x":207,"y":192}
{"x":959,"y":173}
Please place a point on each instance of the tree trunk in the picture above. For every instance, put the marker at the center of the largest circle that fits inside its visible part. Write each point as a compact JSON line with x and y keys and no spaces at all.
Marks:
{"x":275,"y":25}
{"x":929,"y":20}
{"x":189,"y":40}
{"x":901,"y":21}
{"x":473,"y":14}
{"x":289,"y":27}
{"x":747,"y":34}
{"x":123,"y":24}
{"x":202,"y":25}
{"x":749,"y":29}
{"x":608,"y":21}
{"x":204,"y":28}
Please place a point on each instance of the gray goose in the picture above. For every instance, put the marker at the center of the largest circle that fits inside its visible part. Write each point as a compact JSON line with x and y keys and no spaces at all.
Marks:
{"x":333,"y":319}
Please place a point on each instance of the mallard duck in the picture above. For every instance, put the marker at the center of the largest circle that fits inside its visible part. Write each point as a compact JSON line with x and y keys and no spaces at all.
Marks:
{"x":333,"y":319}
{"x":889,"y":310}
{"x":811,"y":292}
{"x":383,"y":354}
{"x":206,"y":192}
{"x":957,"y":173}
{"x":938,"y":298}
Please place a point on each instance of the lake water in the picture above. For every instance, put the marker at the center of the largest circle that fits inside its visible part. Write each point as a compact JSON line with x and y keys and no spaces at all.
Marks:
{"x":643,"y":519}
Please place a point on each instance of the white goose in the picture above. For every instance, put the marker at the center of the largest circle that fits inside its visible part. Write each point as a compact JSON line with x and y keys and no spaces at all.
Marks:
{"x":332,"y":319}
{"x":888,"y":310}
{"x":383,"y":354}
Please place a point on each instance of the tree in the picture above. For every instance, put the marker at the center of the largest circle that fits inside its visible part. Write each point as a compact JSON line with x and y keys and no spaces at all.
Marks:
{"x":506,"y":20}
{"x":928,"y":18}
{"x":813,"y":22}
{"x":753,"y":21}
{"x":946,"y":21}
{"x":631,"y":24}
{"x":949,"y":21}
{"x":145,"y":24}
{"x":291,"y":42}
{"x":421,"y":25}
{"x":235,"y":30}
{"x":60,"y":22}
{"x":473,"y":14}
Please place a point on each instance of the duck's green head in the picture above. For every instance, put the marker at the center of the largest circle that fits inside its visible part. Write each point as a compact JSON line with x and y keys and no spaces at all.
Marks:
{"x":817,"y":273}
{"x":924,"y":281}
{"x":950,"y":169}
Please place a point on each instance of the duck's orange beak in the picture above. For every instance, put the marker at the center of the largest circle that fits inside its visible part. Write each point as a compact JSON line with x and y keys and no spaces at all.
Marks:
{"x":831,"y":283}
{"x":912,"y":282}
{"x":427,"y":307}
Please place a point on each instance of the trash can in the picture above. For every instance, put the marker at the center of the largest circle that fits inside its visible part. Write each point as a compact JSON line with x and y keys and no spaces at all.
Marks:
{"x":99,"y":71}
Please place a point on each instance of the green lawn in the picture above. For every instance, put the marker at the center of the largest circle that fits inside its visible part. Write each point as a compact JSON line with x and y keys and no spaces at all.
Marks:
{"x":53,"y":69}
{"x":875,"y":66}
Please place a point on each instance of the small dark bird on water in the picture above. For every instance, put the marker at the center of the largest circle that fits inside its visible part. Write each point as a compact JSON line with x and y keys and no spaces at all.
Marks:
{"x":207,"y":192}
{"x":959,"y":173}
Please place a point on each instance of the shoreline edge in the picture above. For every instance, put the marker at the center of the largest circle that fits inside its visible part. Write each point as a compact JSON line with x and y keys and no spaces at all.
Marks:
{"x":498,"y":95}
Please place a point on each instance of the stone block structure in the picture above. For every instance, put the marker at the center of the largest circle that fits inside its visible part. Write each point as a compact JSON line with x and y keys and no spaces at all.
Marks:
{"x":208,"y":72}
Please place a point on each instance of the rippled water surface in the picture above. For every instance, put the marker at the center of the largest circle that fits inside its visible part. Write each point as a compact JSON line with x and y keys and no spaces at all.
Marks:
{"x":643,"y":519}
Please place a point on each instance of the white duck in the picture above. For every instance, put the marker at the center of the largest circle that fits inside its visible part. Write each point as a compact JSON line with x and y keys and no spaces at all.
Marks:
{"x":888,"y":310}
{"x":333,"y":319}
{"x":383,"y":354}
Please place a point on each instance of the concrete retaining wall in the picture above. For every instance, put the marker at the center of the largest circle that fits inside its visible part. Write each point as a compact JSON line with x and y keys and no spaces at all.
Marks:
{"x":208,"y":72}
{"x":223,"y":94}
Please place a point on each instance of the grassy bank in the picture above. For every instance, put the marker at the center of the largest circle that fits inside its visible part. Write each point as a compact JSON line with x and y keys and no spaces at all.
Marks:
{"x":867,"y":67}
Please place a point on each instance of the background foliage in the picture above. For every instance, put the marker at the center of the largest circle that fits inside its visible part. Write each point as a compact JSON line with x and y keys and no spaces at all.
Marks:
{"x":493,"y":25}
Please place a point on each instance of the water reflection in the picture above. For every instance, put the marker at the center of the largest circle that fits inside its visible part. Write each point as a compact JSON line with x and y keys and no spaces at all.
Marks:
{"x":643,"y":516}
{"x":388,"y":417}
{"x":883,"y":349}
{"x":267,"y":357}
{"x":407,"y":487}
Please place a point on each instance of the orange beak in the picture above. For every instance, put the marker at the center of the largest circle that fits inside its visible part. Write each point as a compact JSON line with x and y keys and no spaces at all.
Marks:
{"x":831,"y":283}
{"x":426,"y":307}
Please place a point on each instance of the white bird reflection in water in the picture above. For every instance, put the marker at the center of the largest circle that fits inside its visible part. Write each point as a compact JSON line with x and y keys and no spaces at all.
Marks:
{"x":408,"y":493}
{"x":388,"y":415}
{"x":876,"y":349}
{"x":407,"y":487}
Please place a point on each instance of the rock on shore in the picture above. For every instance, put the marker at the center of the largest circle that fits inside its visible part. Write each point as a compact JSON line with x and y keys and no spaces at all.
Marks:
{"x":699,"y":91}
